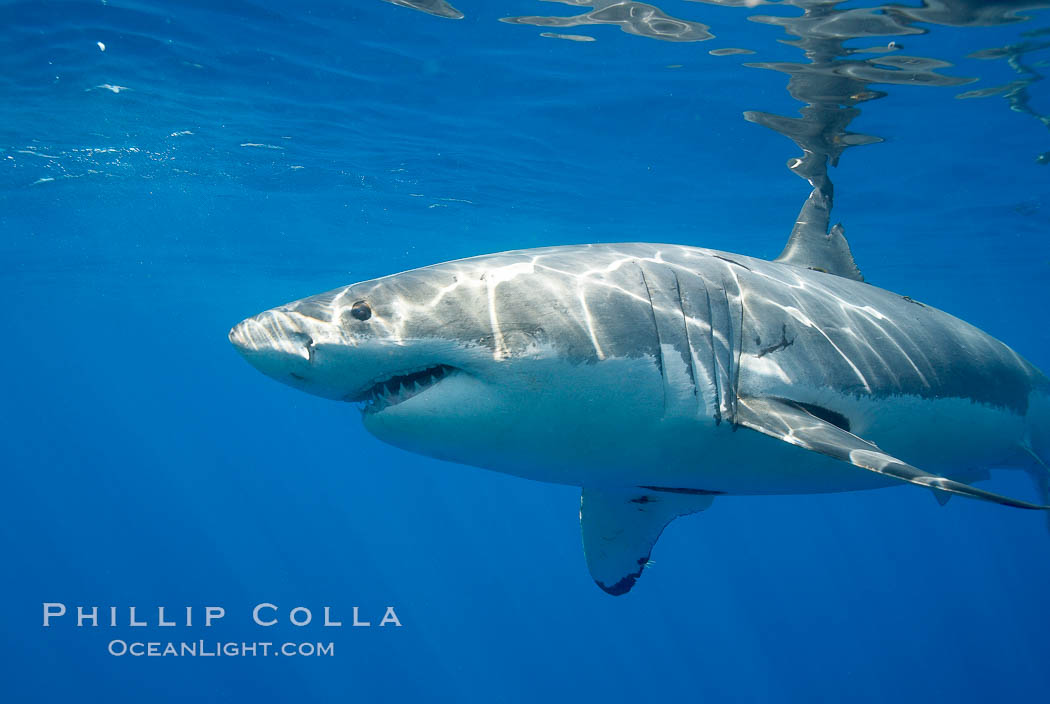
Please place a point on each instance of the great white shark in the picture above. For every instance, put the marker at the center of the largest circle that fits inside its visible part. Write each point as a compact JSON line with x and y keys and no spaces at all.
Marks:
{"x":659,"y":376}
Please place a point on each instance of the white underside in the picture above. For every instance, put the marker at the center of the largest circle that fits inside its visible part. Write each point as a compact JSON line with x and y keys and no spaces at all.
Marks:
{"x":608,"y":425}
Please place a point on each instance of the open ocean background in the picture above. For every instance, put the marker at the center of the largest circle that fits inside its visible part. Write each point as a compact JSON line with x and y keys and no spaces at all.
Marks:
{"x":217,"y":159}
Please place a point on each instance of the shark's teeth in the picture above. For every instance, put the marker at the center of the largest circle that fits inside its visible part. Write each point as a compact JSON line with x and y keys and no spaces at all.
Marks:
{"x":401,"y":387}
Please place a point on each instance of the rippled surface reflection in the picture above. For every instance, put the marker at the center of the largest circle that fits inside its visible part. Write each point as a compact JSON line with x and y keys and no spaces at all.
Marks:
{"x":632,"y":17}
{"x":309,"y":109}
{"x":1025,"y":58}
{"x":831,"y":78}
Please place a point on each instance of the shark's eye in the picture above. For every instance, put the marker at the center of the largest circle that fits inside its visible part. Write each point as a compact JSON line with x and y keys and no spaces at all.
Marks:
{"x":361,"y":311}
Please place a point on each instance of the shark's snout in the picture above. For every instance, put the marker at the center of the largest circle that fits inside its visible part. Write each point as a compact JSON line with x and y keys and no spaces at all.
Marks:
{"x":306,"y":350}
{"x":272,"y":331}
{"x":239,"y":336}
{"x":276,"y":343}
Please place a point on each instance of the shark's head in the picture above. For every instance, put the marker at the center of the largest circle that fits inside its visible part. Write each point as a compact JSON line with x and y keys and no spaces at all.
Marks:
{"x":399,"y":346}
{"x":461,"y":361}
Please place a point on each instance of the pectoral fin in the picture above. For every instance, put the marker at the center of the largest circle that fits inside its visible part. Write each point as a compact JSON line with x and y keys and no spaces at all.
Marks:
{"x":791,"y":423}
{"x":620,"y":527}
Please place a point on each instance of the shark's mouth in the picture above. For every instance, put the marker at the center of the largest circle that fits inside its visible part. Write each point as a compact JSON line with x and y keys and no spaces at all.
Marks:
{"x":401,"y":387}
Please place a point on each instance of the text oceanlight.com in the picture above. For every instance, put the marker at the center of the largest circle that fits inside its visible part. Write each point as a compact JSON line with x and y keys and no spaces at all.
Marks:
{"x":229,"y":649}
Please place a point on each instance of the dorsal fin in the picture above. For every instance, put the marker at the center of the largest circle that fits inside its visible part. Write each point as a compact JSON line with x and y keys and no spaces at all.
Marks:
{"x":813,"y":246}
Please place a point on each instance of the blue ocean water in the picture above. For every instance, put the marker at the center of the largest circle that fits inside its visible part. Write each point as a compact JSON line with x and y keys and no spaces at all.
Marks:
{"x":167,"y":169}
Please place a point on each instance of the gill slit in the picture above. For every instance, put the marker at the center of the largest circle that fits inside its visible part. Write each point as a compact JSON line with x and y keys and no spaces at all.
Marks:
{"x":688,"y":341}
{"x":714,"y":357}
{"x":656,"y":331}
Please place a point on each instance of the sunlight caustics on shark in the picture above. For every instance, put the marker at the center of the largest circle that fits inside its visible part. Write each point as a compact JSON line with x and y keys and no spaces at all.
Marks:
{"x":657,"y":377}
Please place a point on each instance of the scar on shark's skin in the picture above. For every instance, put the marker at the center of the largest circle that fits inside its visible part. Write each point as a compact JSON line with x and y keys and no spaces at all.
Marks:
{"x":784,"y":342}
{"x":727,"y":259}
{"x":909,"y":299}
